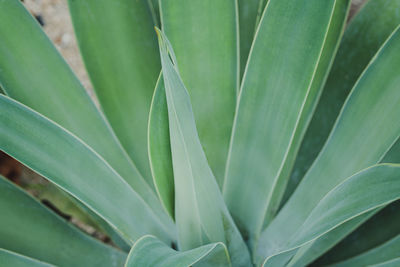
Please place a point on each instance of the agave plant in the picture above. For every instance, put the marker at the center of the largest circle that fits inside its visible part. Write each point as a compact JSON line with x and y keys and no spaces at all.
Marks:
{"x":252,"y":133}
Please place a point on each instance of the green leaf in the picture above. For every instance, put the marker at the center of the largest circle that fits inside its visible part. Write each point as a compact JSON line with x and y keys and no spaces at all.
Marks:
{"x":363,"y":192}
{"x":382,"y":227}
{"x":356,"y":142}
{"x":275,"y":103}
{"x":160,"y":148}
{"x":116,"y":237}
{"x":363,"y":37}
{"x":204,"y":34}
{"x":119,"y":48}
{"x":249,"y":16}
{"x":391,"y":263}
{"x":393,"y":155}
{"x":382,"y":253}
{"x":29,"y":228}
{"x":200,"y":212}
{"x":70,"y":206}
{"x":49,"y":87}
{"x":314,"y":249}
{"x":155,"y":11}
{"x":150,"y":252}
{"x":61,"y":157}
{"x":9,"y":258}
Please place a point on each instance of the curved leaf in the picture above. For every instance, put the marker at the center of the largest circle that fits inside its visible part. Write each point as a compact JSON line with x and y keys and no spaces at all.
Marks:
{"x":200,"y":212}
{"x":116,"y":237}
{"x":314,"y":249}
{"x":393,"y":155}
{"x":65,"y":160}
{"x":9,"y":258}
{"x":382,"y":227}
{"x":356,"y":142}
{"x":204,"y":34}
{"x":72,"y":207}
{"x":160,"y":148}
{"x":382,"y":253}
{"x":363,"y":37}
{"x":49,"y":87}
{"x":150,"y":252}
{"x":363,"y":192}
{"x":276,"y":100}
{"x":119,"y":48}
{"x":391,"y":263}
{"x":29,"y":228}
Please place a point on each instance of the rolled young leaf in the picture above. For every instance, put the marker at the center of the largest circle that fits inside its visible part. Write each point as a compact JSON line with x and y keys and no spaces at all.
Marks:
{"x":27,"y":227}
{"x":150,"y":252}
{"x":356,"y":142}
{"x":9,"y":258}
{"x":204,"y":34}
{"x":160,"y":148}
{"x":276,"y":100}
{"x":35,"y":74}
{"x":119,"y":48}
{"x":67,"y":161}
{"x":363,"y":192}
{"x":200,"y":212}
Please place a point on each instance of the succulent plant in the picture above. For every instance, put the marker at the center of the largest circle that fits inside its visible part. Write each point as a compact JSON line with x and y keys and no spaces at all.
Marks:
{"x":228,"y":133}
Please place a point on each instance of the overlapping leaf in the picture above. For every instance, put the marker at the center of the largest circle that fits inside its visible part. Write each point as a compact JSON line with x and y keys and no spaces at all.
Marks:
{"x":363,"y":192}
{"x":291,"y":54}
{"x":200,"y":212}
{"x":356,"y":142}
{"x":249,"y":16}
{"x":382,"y":253}
{"x":65,"y":160}
{"x":9,"y":258}
{"x":378,"y":230}
{"x":35,"y":74}
{"x":160,"y":148}
{"x":204,"y":35}
{"x":363,"y":37}
{"x":71,"y":207}
{"x":29,"y":228}
{"x":150,"y":252}
{"x":391,"y":263}
{"x":119,"y":48}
